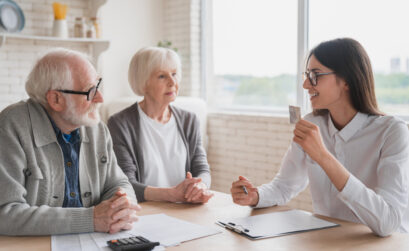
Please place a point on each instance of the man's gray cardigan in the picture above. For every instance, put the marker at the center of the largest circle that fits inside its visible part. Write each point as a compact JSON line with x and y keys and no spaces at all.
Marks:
{"x":126,"y":133}
{"x":32,"y":174}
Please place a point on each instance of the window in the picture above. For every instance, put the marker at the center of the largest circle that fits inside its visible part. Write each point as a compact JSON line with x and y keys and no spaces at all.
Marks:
{"x":381,"y":27}
{"x":254,"y":54}
{"x":254,"y":49}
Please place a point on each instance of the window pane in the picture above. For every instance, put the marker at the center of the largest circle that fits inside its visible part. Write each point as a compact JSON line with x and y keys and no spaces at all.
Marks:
{"x":254,"y":53}
{"x":381,"y":27}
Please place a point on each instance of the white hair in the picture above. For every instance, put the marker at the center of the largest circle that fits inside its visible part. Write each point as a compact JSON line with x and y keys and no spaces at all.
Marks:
{"x":148,"y":60}
{"x":53,"y":71}
{"x":85,"y":119}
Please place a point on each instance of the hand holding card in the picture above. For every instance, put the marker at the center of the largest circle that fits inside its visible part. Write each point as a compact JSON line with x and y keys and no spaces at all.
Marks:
{"x":295,"y":114}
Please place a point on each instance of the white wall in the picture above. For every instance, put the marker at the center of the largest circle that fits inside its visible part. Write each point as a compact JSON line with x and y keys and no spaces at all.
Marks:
{"x":182,"y":28}
{"x":129,"y":25}
{"x":252,"y":145}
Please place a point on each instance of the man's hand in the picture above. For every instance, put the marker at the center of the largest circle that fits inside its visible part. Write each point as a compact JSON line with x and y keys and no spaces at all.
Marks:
{"x":115,"y":214}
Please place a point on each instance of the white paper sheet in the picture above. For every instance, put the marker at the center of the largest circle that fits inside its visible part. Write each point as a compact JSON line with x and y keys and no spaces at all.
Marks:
{"x":167,"y":230}
{"x":65,"y":242}
{"x":88,"y":241}
{"x":170,"y":231}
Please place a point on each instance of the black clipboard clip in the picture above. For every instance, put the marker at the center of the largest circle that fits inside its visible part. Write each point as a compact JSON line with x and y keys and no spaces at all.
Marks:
{"x":233,"y":227}
{"x":238,"y":229}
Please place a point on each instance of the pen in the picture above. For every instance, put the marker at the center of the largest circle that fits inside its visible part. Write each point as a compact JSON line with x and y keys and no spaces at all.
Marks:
{"x":245,"y":189}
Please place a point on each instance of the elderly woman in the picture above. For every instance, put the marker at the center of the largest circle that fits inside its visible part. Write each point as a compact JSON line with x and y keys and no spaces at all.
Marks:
{"x":158,"y":146}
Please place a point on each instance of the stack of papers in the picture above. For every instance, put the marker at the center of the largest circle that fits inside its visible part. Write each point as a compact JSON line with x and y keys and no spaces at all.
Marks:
{"x":167,"y":230}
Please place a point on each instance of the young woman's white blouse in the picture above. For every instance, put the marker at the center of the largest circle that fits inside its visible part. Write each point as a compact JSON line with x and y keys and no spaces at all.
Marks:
{"x":375,"y":150}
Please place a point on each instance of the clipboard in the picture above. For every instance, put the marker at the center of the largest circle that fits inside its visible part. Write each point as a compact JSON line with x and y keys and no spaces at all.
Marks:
{"x":275,"y":224}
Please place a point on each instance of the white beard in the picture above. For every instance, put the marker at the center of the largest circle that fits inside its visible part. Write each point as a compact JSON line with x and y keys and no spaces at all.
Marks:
{"x":81,"y":119}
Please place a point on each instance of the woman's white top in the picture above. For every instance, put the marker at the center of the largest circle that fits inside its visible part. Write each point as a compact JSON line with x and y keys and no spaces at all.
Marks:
{"x":163,"y":151}
{"x":375,"y":150}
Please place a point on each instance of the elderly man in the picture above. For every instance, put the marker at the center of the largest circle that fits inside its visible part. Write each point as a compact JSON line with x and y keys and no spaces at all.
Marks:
{"x":58,"y":172}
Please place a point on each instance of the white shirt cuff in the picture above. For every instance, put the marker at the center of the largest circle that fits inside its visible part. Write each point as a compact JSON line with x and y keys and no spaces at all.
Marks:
{"x":264,"y":199}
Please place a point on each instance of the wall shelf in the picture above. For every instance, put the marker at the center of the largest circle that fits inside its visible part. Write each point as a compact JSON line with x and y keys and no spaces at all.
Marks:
{"x":4,"y":37}
{"x":95,"y":46}
{"x":93,"y":8}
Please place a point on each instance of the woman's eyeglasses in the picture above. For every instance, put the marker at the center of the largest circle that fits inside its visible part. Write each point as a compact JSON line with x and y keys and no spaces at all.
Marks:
{"x":90,"y":93}
{"x":313,"y":76}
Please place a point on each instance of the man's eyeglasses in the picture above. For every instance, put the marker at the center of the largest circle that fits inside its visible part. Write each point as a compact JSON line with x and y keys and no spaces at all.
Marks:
{"x":90,"y":93}
{"x":313,"y":76}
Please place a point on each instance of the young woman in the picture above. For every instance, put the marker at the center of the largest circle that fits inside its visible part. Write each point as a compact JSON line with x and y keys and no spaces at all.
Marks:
{"x":355,"y":158}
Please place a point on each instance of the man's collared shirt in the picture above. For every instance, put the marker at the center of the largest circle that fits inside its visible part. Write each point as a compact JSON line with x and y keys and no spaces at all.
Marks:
{"x":70,"y":146}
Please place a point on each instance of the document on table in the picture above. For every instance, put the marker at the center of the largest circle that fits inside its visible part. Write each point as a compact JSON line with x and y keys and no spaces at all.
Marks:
{"x":275,"y":224}
{"x":169,"y":231}
{"x":88,"y":241}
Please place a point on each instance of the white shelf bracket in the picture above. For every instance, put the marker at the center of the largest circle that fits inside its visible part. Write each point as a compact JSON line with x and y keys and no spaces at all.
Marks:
{"x":2,"y":40}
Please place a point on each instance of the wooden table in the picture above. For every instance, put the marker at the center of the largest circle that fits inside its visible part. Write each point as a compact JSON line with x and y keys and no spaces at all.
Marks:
{"x":349,"y":236}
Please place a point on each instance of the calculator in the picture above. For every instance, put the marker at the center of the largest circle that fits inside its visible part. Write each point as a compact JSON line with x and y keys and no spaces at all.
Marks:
{"x":132,"y":243}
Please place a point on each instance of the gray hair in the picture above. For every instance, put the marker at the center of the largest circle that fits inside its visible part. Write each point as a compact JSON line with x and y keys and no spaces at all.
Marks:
{"x":53,"y":71}
{"x":148,"y":60}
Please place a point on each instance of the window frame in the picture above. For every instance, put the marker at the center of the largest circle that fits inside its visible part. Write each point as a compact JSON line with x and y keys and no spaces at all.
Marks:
{"x":207,"y":60}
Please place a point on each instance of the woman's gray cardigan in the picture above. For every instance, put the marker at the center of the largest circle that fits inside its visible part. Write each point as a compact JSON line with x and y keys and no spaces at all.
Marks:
{"x":126,"y":134}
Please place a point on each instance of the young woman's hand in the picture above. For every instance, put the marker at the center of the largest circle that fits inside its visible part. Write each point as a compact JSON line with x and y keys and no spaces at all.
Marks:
{"x":239,"y":195}
{"x":308,"y":136}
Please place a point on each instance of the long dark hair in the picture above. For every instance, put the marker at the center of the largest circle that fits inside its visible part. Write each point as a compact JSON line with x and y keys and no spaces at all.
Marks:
{"x":349,"y":60}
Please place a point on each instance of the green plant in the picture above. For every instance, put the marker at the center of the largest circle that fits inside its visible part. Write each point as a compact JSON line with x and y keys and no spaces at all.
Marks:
{"x":166,"y":44}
